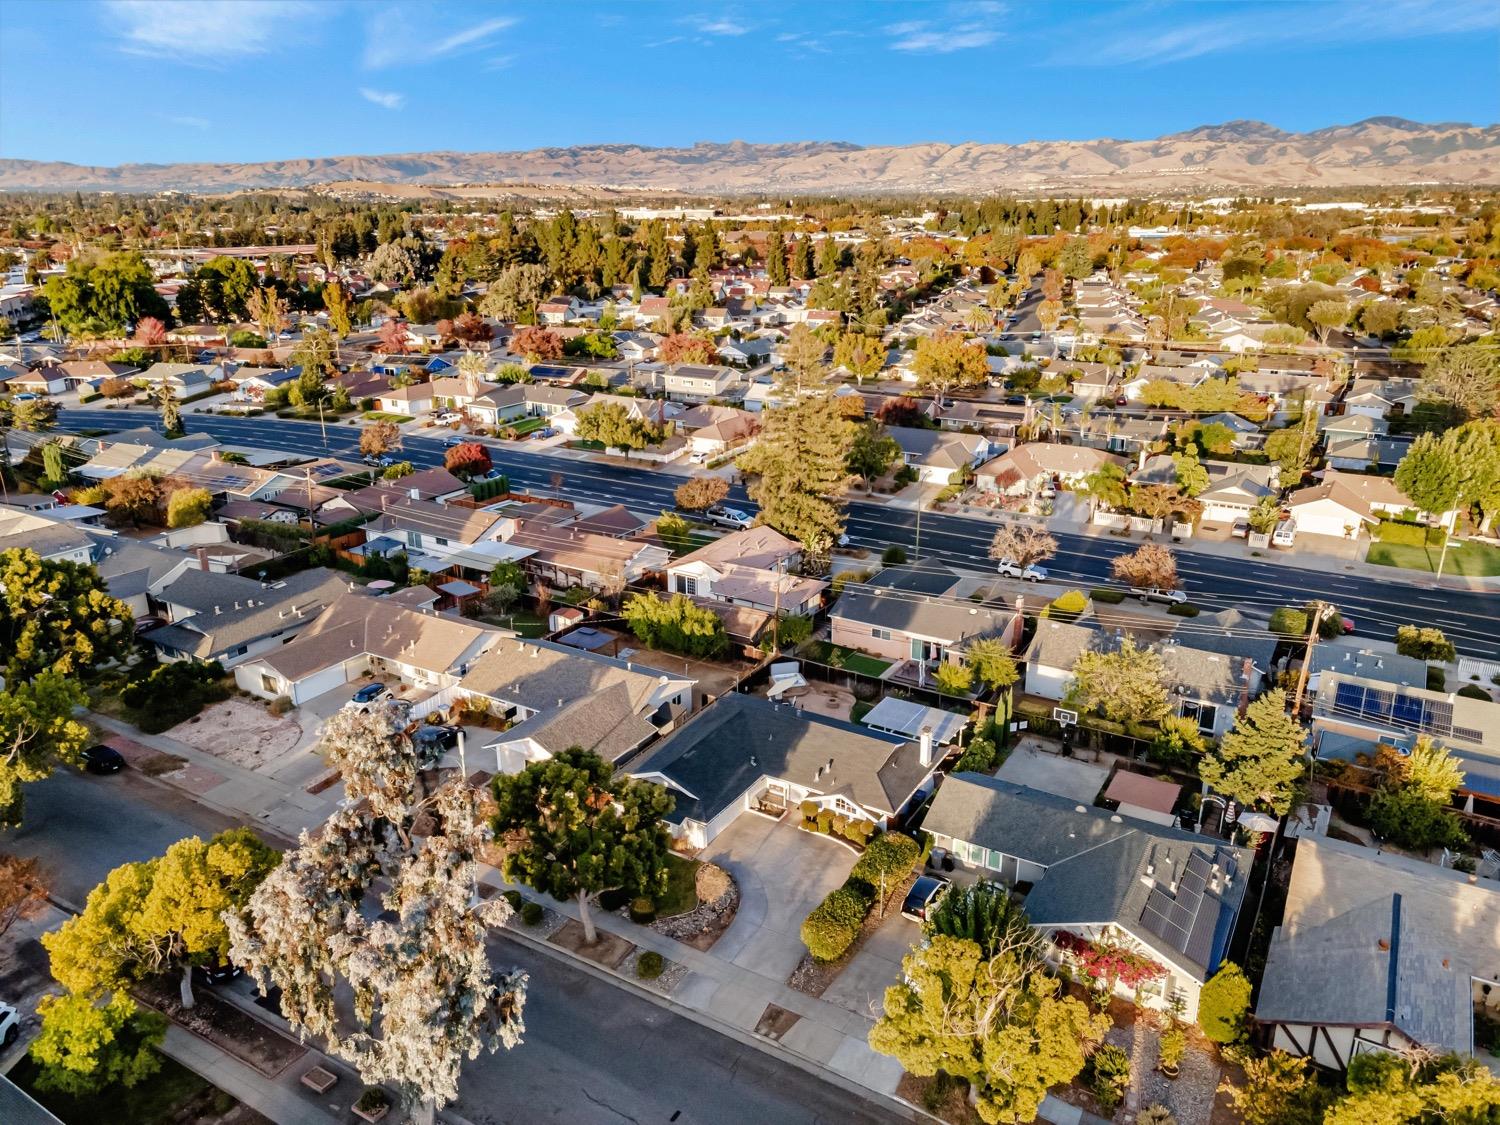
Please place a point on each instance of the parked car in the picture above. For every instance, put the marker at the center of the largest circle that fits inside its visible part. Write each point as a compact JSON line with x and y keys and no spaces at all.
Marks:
{"x":1241,"y":529}
{"x":1285,"y":534}
{"x":370,"y":693}
{"x":377,"y":460}
{"x":432,"y":740}
{"x":545,"y":432}
{"x":1348,"y":625}
{"x":727,"y":517}
{"x":1012,"y":569}
{"x":923,"y":896}
{"x":453,"y":439}
{"x":1015,"y":400}
{"x":10,"y":1025}
{"x":25,"y":396}
{"x":220,"y":972}
{"x":102,"y":759}
{"x":447,"y":418}
{"x":1157,"y":594}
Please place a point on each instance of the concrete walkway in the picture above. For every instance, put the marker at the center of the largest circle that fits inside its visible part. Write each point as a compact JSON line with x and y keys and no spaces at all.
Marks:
{"x":280,"y":1100}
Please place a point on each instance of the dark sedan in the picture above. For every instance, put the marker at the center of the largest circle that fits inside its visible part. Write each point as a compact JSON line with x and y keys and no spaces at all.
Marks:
{"x":923,"y":896}
{"x":103,"y":759}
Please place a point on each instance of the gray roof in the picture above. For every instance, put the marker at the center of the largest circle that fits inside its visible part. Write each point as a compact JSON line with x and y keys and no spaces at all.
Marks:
{"x":714,"y":759}
{"x":1175,"y":891}
{"x":542,"y":676}
{"x":129,"y":567}
{"x":265,"y":611}
{"x":941,"y":619}
{"x":1377,"y":964}
{"x":1386,"y":667}
{"x":928,"y":578}
{"x":606,"y":722}
{"x":17,"y":1107}
{"x":58,"y":539}
{"x":1059,"y":644}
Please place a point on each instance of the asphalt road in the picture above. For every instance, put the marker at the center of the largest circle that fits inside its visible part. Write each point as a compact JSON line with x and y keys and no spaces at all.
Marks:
{"x":593,"y":1053}
{"x":1377,"y":605}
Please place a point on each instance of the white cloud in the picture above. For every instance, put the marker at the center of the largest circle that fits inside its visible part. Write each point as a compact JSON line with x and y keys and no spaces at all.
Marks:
{"x":204,"y":29}
{"x":390,"y":40}
{"x":968,"y":26}
{"x":1139,"y":42}
{"x":386,"y":99}
{"x":722,"y":25}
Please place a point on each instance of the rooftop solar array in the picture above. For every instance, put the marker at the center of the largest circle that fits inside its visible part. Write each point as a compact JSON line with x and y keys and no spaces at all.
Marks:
{"x":1402,"y":709}
{"x":1188,"y":918}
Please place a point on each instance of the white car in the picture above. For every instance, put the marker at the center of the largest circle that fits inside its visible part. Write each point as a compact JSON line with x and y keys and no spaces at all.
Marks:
{"x":1156,"y":594}
{"x":1012,"y":569}
{"x":727,"y":517}
{"x":10,"y":1025}
{"x":447,"y":418}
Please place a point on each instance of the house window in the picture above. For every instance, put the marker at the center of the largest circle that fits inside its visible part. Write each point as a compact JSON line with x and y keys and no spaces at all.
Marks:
{"x":687,"y":584}
{"x":881,"y":634}
{"x":240,"y":651}
{"x":1204,"y":713}
{"x":441,"y":542}
{"x":269,"y":685}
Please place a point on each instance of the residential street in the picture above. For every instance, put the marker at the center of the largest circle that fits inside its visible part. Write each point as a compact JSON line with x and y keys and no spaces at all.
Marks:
{"x":594,"y":1053}
{"x":1377,"y":605}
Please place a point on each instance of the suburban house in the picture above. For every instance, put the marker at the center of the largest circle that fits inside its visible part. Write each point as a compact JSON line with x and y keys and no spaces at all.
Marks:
{"x":355,"y":635}
{"x":523,"y":400}
{"x":135,"y":571}
{"x":715,"y":430}
{"x":1378,"y":951}
{"x":908,"y":614}
{"x":699,"y":381}
{"x":556,"y":697}
{"x":998,"y":421}
{"x":412,"y":400}
{"x":1381,"y":398}
{"x":650,"y":411}
{"x":745,"y":753}
{"x":1029,"y":468}
{"x":428,"y":484}
{"x":184,"y":378}
{"x":558,"y":310}
{"x":565,"y":556}
{"x":636,"y":347}
{"x":940,"y":456}
{"x":421,"y":526}
{"x":1211,"y":673}
{"x":1101,"y":878}
{"x":750,"y":568}
{"x":52,"y":539}
{"x":747,"y":353}
{"x":1353,"y":715}
{"x":49,"y":379}
{"x":1344,"y":502}
{"x":1358,"y":442}
{"x":232,"y":619}
{"x":81,"y":373}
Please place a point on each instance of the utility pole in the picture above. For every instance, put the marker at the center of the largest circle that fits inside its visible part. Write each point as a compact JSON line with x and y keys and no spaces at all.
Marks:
{"x":1312,"y":639}
{"x":916,"y":551}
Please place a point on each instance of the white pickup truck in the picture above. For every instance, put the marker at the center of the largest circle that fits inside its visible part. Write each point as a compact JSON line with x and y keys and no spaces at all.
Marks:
{"x":1157,"y":594}
{"x":1030,"y":573}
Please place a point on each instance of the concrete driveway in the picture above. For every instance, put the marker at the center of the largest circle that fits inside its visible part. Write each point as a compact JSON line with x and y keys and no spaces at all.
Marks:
{"x":861,"y":986}
{"x":782,"y":873}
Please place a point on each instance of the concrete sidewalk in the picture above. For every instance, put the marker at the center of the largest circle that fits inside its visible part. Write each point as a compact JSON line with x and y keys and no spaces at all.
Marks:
{"x":282,"y":1099}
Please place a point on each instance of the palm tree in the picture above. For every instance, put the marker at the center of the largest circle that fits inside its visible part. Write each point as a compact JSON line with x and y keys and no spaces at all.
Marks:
{"x":1105,"y":486}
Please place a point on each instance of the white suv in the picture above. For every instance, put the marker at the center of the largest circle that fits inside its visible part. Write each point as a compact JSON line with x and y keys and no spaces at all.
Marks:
{"x":1012,"y":569}
{"x":10,"y":1025}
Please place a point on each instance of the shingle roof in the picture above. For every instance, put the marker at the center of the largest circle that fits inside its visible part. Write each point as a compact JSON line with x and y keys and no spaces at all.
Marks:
{"x":719,"y":755}
{"x":261,"y":611}
{"x":940,"y":619}
{"x":539,"y":675}
{"x":606,"y":722}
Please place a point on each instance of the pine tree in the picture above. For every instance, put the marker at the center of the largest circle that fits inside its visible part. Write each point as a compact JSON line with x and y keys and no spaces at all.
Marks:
{"x":1261,"y":760}
{"x":776,"y":268}
{"x":802,"y":260}
{"x":800,"y":471}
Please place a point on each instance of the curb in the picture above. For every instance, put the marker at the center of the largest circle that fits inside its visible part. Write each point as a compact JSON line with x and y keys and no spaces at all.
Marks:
{"x":891,"y":1102}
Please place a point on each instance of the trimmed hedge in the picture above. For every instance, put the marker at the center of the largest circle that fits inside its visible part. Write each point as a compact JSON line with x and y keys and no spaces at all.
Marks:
{"x":833,"y":925}
{"x":1183,"y":609}
{"x":1409,"y":534}
{"x":887,"y":856}
{"x":531,"y":913}
{"x":1107,"y":596}
{"x":649,"y":965}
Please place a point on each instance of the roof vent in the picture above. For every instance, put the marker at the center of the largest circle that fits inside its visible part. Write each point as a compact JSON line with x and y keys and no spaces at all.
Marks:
{"x":1080,"y":808}
{"x":1116,"y":819}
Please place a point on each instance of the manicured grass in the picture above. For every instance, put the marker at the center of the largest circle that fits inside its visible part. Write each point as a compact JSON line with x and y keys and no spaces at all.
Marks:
{"x":854,"y":661}
{"x":681,"y":894}
{"x":860,"y":709}
{"x":382,"y":416}
{"x":526,"y":425}
{"x":587,"y":446}
{"x":160,"y":1100}
{"x":1476,"y":560}
{"x":527,"y":624}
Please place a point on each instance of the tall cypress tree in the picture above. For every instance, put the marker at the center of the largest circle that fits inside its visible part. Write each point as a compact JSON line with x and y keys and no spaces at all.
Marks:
{"x":1261,"y":760}
{"x":799,"y":470}
{"x":776,"y":259}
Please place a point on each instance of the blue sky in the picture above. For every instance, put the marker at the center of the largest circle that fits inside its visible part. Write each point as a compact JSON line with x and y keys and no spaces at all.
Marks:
{"x":115,"y":81}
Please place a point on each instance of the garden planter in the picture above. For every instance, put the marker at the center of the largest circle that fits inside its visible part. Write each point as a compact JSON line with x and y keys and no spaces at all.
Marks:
{"x":1169,"y":1072}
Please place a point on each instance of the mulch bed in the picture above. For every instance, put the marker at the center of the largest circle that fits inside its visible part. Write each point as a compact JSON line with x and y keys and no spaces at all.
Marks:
{"x":815,"y":977}
{"x":225,"y":1026}
{"x":950,"y":1105}
{"x":610,"y":950}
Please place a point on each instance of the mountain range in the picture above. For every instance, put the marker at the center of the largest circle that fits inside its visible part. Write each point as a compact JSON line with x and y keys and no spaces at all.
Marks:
{"x":1379,"y":151}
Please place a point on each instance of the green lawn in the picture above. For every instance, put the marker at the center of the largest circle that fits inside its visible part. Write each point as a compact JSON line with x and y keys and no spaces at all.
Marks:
{"x":527,"y":624}
{"x":860,"y":709}
{"x":162,"y":1099}
{"x":526,"y":425}
{"x":1474,"y":560}
{"x":682,"y":887}
{"x":840,"y":657}
{"x":382,"y":416}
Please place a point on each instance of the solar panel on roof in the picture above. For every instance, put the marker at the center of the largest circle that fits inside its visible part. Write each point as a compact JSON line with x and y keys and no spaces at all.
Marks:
{"x":1409,"y":709}
{"x":1469,"y":734}
{"x":1378,"y":702}
{"x":1349,"y":698}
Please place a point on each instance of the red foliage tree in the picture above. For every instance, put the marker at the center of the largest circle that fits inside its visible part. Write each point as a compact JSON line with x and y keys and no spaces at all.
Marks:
{"x":899,"y":412}
{"x":471,"y":329}
{"x":445,"y":329}
{"x":150,"y":332}
{"x":537,"y":344}
{"x":684,"y":347}
{"x":467,"y":460}
{"x":392,"y":337}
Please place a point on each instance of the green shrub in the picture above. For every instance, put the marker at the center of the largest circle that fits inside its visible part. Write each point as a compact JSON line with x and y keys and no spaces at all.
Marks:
{"x":834,"y":923}
{"x":1289,"y":622}
{"x":887,"y":859}
{"x":978,"y":757}
{"x":163,"y":695}
{"x":1183,"y":609}
{"x":953,"y":679}
{"x":1425,"y":644}
{"x":531,"y":913}
{"x":1436,"y":680}
{"x":1066,"y":607}
{"x":1109,"y":1076}
{"x":514,"y":898}
{"x":1408,"y":819}
{"x":1474,"y":691}
{"x":1107,"y":596}
{"x":809,"y":809}
{"x":649,"y":965}
{"x":642,"y":910}
{"x":613,"y":899}
{"x":825,"y":821}
{"x":1223,"y":1003}
{"x":1409,"y":534}
{"x":894,"y":555}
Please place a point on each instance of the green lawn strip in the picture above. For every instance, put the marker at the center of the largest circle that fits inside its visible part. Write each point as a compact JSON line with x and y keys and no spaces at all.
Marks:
{"x":159,"y":1100}
{"x":865,"y":665}
{"x":681,"y":894}
{"x":382,"y":416}
{"x":1475,"y":560}
{"x":526,"y":425}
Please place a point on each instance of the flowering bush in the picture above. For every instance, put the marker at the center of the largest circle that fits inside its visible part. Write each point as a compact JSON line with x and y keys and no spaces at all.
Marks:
{"x":1109,"y":960}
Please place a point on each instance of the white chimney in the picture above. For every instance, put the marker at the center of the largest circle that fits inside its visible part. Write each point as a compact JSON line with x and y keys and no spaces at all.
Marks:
{"x":924,"y":742}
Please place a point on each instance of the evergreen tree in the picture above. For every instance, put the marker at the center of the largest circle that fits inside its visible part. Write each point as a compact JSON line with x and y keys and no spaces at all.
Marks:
{"x":800,"y":471}
{"x":1261,"y":760}
{"x":801,"y":265}
{"x":776,"y":267}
